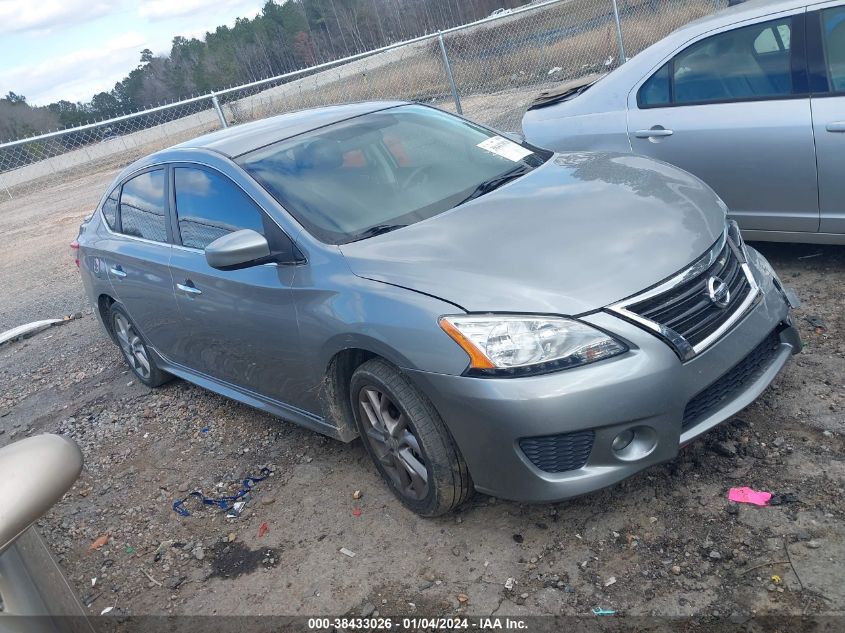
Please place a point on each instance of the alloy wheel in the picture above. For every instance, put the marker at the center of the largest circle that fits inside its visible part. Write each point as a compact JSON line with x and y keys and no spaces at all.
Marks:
{"x":132,"y":346}
{"x":393,"y":442}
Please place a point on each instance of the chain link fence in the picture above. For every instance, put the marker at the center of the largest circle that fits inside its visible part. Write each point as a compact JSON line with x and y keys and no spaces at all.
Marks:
{"x":489,"y":70}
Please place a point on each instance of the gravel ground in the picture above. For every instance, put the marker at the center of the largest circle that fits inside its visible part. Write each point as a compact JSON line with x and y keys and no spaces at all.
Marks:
{"x":664,"y":542}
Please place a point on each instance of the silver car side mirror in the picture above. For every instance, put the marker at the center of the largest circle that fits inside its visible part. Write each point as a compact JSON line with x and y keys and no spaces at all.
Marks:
{"x":34,"y":474}
{"x":239,"y":249}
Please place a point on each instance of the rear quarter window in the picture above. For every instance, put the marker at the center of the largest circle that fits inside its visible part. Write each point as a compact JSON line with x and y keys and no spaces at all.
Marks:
{"x":110,"y":208}
{"x":656,"y":91}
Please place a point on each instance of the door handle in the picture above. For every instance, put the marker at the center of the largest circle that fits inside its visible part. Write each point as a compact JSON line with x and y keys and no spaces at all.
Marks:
{"x":836,"y":126}
{"x":189,"y":290}
{"x":654,"y":132}
{"x":117,"y":271}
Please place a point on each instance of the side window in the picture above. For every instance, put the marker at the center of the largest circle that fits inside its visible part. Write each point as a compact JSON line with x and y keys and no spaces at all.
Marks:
{"x":655,"y":91}
{"x":110,"y":208}
{"x":752,"y":62}
{"x":746,"y":63}
{"x":143,"y":208}
{"x":209,"y":206}
{"x":833,"y":27}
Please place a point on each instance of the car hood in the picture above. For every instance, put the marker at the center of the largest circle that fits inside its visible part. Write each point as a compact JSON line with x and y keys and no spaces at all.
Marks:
{"x":580,"y":232}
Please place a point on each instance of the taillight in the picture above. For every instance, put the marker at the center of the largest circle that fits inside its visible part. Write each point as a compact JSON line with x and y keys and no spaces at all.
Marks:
{"x":74,"y":249}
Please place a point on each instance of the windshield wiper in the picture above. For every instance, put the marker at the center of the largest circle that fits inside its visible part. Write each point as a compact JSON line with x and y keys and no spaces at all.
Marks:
{"x":378,"y":229}
{"x":494,"y":183}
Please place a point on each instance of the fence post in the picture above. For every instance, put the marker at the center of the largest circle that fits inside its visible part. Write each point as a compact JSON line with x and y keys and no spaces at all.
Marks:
{"x":622,"y":57}
{"x":218,"y":109}
{"x":451,"y":77}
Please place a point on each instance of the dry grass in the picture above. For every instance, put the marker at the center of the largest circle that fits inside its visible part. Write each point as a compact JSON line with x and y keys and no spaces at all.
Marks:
{"x":575,"y":38}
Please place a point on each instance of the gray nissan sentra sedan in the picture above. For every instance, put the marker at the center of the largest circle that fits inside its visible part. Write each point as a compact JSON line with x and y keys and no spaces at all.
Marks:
{"x":483,"y":313}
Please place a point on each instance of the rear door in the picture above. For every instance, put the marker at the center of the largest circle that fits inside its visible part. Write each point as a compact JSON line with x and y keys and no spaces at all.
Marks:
{"x":238,"y":326}
{"x":826,"y":43}
{"x":733,"y":108}
{"x":138,"y":255}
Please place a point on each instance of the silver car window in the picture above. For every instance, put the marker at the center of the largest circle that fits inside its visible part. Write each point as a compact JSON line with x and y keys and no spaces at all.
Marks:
{"x":833,"y":27}
{"x":748,"y":63}
{"x":745,"y":63}
{"x":656,"y":90}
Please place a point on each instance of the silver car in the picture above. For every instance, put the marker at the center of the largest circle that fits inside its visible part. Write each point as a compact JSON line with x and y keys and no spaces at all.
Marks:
{"x":35,"y":597}
{"x":751,"y":100}
{"x":484,"y":314}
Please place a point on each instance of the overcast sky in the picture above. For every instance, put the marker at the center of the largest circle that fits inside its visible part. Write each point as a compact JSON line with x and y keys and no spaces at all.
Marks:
{"x":72,"y":49}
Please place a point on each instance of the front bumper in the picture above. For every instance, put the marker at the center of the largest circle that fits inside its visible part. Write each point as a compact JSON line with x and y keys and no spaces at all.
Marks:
{"x":647,"y":389}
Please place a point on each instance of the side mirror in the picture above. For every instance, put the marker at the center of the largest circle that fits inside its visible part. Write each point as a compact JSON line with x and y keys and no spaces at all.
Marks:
{"x":34,"y":474}
{"x":239,"y":249}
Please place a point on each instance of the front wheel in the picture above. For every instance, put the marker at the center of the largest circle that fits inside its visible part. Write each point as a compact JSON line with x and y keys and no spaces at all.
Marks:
{"x":411,"y":447}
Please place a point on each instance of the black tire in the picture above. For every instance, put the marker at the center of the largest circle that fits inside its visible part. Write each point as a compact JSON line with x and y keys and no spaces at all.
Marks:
{"x":133,"y":347}
{"x":447,"y":483}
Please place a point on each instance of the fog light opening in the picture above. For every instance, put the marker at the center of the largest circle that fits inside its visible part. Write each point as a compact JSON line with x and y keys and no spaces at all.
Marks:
{"x":634,"y":443}
{"x":621,"y":441}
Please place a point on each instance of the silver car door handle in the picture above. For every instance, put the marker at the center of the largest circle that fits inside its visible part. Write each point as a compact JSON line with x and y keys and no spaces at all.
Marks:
{"x":191,"y":290}
{"x":653,"y":133}
{"x":117,"y":272}
{"x":836,"y":126}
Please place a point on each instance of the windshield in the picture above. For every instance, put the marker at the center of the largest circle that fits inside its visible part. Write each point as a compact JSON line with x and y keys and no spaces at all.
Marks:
{"x":385,"y":170}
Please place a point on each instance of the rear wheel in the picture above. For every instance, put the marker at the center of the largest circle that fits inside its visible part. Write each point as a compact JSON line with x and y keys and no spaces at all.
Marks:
{"x":135,"y":351}
{"x":411,"y":447}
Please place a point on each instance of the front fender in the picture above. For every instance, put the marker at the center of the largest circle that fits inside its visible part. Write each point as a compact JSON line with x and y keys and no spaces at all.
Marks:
{"x":398,"y":324}
{"x":339,"y":311}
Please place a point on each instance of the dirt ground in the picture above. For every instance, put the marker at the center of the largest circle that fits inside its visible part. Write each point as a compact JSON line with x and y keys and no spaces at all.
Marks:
{"x":664,"y":542}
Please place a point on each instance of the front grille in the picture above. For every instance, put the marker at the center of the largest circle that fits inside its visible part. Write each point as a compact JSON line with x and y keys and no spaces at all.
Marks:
{"x":558,"y":453}
{"x":732,"y":383}
{"x":686,"y":308}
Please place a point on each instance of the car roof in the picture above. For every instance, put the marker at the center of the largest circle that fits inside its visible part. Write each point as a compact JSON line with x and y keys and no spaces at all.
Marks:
{"x":744,"y":11}
{"x":240,"y":139}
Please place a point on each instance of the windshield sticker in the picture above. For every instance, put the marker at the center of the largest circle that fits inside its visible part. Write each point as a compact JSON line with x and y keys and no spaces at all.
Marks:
{"x":505,"y":148}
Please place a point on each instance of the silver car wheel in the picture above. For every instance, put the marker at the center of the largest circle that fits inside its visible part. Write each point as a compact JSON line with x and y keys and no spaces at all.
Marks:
{"x":132,"y":346}
{"x":393,"y":443}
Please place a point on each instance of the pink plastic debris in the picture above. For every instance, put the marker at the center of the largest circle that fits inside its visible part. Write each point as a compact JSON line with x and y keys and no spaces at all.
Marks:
{"x":749,"y":495}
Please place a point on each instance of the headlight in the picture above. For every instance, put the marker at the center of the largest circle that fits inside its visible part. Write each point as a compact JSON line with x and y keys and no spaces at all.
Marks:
{"x":519,"y":345}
